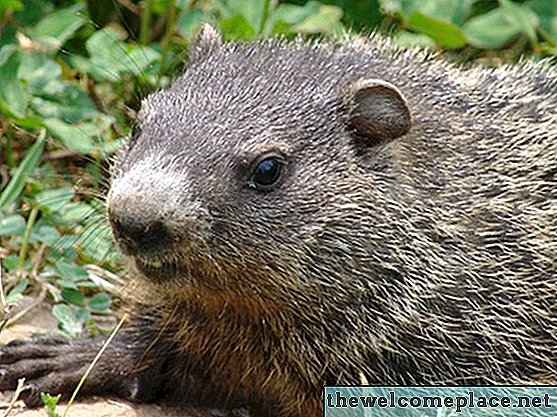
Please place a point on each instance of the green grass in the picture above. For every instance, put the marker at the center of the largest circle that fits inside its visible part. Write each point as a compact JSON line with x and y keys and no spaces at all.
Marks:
{"x":72,"y":74}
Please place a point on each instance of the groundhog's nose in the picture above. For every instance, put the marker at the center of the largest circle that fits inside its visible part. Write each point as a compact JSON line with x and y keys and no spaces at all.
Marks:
{"x":136,"y":228}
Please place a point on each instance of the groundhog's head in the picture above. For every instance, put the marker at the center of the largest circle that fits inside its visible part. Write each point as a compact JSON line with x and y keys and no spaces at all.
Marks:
{"x":229,"y":173}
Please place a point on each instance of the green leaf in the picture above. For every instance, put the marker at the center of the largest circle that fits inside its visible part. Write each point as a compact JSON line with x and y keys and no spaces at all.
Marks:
{"x":28,"y":122}
{"x":75,"y":138}
{"x":76,"y":212}
{"x":365,"y":14}
{"x":14,"y":97}
{"x":111,"y":147}
{"x":280,"y":27}
{"x":324,"y":21}
{"x":73,"y":296}
{"x":14,"y":295}
{"x":159,"y":6}
{"x":455,"y":11}
{"x":23,"y":171}
{"x":62,"y":283}
{"x":13,"y":225}
{"x":252,"y":11}
{"x":54,"y":200}
{"x":9,"y":35}
{"x":407,"y":39}
{"x":462,"y":11}
{"x":190,"y":21}
{"x":98,"y":244}
{"x":63,"y":101}
{"x":141,"y":60}
{"x":491,"y":30}
{"x":33,"y":11}
{"x":521,"y":17}
{"x":50,"y":402}
{"x":44,"y":233}
{"x":12,"y":5}
{"x":546,"y":12}
{"x":285,"y":16}
{"x":82,"y":314}
{"x":497,"y":27}
{"x":10,"y":262}
{"x":38,"y":70}
{"x":71,"y":272}
{"x":444,"y":33}
{"x":59,"y":26}
{"x":100,"y":302}
{"x":111,"y":58}
{"x":67,"y":319}
{"x":237,"y":27}
{"x":51,"y":97}
{"x":106,"y":46}
{"x":63,"y":249}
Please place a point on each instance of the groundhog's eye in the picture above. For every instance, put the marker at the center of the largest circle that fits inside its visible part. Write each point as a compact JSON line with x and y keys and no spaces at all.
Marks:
{"x":268,"y":173}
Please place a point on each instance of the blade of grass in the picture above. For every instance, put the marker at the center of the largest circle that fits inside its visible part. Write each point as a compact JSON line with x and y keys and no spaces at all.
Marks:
{"x":92,"y":365}
{"x":25,"y":242}
{"x":27,"y":165}
{"x":165,"y":43}
{"x":265,"y":17}
{"x":145,"y":23}
{"x":2,"y":295}
{"x":4,"y":306}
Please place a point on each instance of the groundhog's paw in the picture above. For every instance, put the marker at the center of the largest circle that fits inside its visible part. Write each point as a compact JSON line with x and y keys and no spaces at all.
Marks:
{"x":49,"y":364}
{"x":32,"y":347}
{"x":54,"y":383}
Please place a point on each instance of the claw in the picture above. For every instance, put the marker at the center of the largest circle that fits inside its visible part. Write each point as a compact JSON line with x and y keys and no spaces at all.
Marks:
{"x":30,"y":395}
{"x":55,"y":365}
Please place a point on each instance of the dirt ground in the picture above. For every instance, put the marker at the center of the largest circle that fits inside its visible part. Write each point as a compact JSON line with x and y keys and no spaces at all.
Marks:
{"x":43,"y":321}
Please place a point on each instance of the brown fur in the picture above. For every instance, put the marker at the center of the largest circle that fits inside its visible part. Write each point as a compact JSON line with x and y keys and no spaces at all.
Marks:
{"x":410,"y":240}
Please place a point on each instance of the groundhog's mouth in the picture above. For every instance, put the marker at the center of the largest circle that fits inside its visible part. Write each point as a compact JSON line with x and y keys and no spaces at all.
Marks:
{"x":157,"y":270}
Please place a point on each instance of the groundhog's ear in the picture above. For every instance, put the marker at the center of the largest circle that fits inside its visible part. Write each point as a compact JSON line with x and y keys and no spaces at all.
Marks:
{"x":207,"y":41}
{"x":379,"y":110}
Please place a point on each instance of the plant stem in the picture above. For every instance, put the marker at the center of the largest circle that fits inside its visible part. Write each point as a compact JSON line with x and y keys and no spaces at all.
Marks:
{"x":165,"y":43}
{"x":25,"y":243}
{"x":265,"y":16}
{"x":2,"y":295}
{"x":145,"y":24}
{"x":18,"y":390}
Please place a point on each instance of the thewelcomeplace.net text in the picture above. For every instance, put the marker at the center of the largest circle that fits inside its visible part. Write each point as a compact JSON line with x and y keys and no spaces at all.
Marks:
{"x":458,"y":403}
{"x":427,"y":401}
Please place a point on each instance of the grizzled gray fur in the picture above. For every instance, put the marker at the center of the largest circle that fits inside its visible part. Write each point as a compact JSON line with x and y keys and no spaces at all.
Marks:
{"x":309,"y":213}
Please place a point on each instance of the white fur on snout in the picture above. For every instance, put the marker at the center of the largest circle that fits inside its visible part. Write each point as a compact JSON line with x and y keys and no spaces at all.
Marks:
{"x":158,"y":184}
{"x":146,"y":176}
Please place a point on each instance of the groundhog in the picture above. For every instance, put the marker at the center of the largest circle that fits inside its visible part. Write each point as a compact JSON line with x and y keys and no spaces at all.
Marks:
{"x":307,"y":213}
